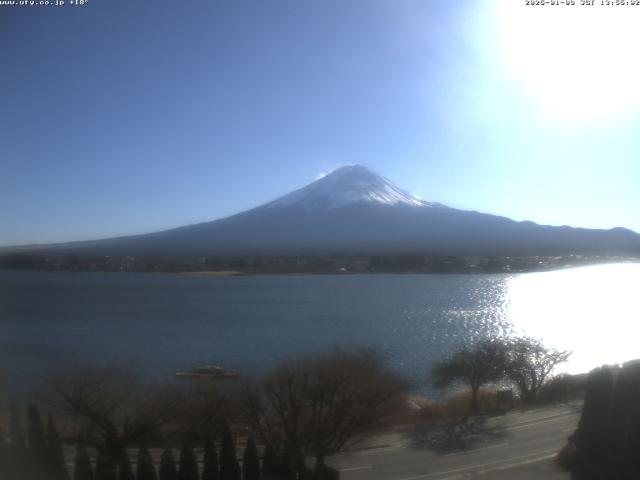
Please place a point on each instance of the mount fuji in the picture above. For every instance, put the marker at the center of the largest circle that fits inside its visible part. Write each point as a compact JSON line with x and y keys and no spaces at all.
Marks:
{"x":354,"y":210}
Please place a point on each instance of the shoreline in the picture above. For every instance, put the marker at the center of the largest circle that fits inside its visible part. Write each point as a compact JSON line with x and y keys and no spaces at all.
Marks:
{"x":208,"y":273}
{"x":236,"y":273}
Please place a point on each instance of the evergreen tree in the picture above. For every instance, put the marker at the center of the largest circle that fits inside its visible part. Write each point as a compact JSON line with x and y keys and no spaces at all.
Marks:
{"x":285,"y":468}
{"x":16,"y":433}
{"x":55,"y":455}
{"x":229,"y":468}
{"x":37,"y":443}
{"x":168,"y":470}
{"x":210,"y":463}
{"x":4,"y":455}
{"x":125,"y":472}
{"x":251,"y":462}
{"x":188,"y":464}
{"x":17,"y":451}
{"x":145,"y":469}
{"x":82,"y":468}
{"x":269,"y":462}
{"x":105,"y":470}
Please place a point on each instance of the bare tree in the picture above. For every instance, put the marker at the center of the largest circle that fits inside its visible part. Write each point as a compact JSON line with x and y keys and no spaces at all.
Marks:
{"x":318,"y":406}
{"x":476,"y":365}
{"x":530,"y":363}
{"x":201,"y":415}
{"x":111,"y":408}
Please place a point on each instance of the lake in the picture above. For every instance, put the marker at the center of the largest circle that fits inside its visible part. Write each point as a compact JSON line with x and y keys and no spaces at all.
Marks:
{"x":164,"y":323}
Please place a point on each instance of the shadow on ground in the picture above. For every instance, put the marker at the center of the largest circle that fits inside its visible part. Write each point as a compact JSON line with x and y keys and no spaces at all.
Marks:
{"x":457,"y":436}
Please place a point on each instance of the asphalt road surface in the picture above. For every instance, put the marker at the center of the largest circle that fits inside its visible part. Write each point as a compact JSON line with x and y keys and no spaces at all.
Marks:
{"x":516,"y":446}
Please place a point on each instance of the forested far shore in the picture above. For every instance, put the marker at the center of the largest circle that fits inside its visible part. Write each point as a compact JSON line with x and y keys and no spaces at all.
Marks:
{"x":307,"y":264}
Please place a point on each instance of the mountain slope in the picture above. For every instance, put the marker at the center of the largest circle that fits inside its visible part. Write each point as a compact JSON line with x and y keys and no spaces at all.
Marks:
{"x":354,"y":210}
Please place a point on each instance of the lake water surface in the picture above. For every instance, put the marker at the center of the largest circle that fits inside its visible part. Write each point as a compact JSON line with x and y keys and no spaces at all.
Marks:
{"x":164,"y":323}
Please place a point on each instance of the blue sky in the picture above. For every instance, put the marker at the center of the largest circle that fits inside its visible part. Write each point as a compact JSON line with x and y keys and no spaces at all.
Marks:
{"x":125,"y":116}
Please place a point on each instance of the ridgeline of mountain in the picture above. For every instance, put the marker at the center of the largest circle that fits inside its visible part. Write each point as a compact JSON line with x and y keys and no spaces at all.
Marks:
{"x":353,"y":210}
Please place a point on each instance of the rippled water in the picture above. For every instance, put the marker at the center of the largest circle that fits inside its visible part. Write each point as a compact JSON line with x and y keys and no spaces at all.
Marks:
{"x":163,"y":323}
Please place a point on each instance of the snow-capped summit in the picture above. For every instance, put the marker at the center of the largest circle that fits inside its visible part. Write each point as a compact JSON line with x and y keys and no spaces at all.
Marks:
{"x":348,"y":185}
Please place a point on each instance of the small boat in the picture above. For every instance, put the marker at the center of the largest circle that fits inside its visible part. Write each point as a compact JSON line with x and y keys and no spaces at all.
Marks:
{"x":209,"y":370}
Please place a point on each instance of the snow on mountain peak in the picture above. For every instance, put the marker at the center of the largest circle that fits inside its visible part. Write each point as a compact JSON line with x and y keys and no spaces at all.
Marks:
{"x":345,"y":186}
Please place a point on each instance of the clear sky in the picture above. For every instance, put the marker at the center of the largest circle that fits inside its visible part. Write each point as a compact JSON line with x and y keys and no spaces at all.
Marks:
{"x":129,"y":116}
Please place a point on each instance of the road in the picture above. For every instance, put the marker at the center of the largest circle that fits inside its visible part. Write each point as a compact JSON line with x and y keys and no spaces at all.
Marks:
{"x":523,"y":450}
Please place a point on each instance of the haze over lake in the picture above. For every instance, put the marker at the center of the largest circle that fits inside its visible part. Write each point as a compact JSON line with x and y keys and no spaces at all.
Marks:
{"x":164,"y":323}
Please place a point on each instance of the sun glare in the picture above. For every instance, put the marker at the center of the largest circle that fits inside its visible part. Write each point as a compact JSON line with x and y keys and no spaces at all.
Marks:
{"x":577,"y":63}
{"x":592,"y":311}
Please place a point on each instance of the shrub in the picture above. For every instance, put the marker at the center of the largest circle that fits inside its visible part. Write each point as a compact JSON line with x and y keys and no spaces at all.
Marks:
{"x":459,"y":405}
{"x":562,"y":388}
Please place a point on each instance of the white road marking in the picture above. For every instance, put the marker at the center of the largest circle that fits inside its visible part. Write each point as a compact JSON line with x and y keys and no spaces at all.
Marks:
{"x":373,"y":451}
{"x":536,"y":420}
{"x":518,"y":464}
{"x":352,"y":469}
{"x":533,"y":424}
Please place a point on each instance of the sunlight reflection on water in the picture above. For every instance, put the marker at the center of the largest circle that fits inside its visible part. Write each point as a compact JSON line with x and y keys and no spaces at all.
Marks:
{"x":592,"y":311}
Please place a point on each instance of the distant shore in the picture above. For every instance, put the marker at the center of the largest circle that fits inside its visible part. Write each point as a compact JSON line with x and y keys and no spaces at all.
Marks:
{"x":213,"y":273}
{"x":306,"y":264}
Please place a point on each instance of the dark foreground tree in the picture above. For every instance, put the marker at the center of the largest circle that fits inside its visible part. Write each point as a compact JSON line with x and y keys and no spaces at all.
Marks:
{"x":229,"y":467}
{"x":606,"y":443}
{"x":111,"y":409}
{"x":286,"y":469}
{"x":529,"y":365}
{"x":475,"y":366}
{"x":18,"y":462}
{"x":125,"y":471}
{"x":55,"y":455}
{"x":4,"y":455}
{"x":625,"y":421}
{"x":250,"y":462}
{"x":145,"y":469}
{"x":199,"y":416}
{"x":318,"y":406}
{"x":168,"y":470}
{"x":82,"y":465}
{"x":105,"y":469}
{"x":37,"y":442}
{"x":188,"y":464}
{"x":269,"y":462}
{"x":210,"y":461}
